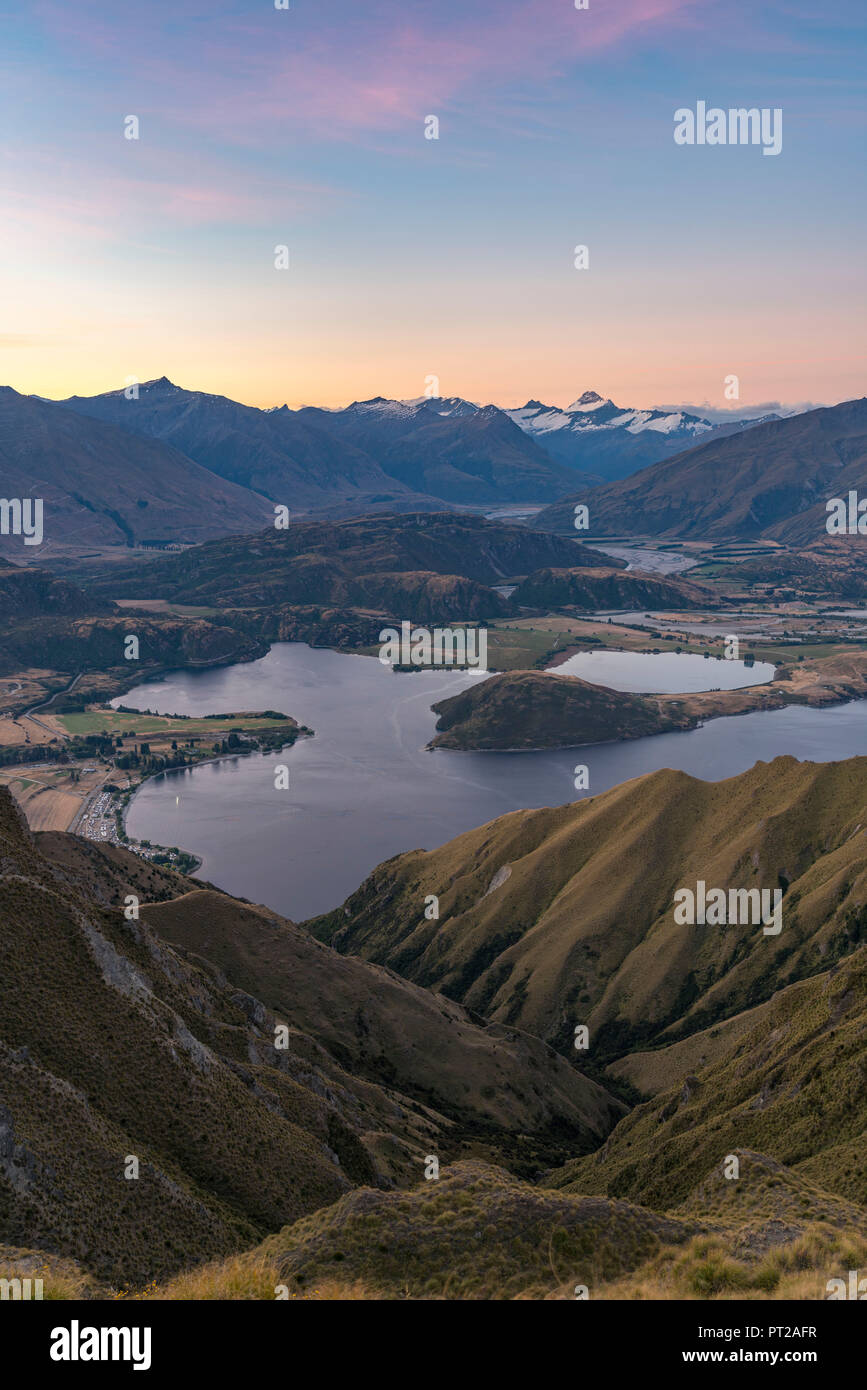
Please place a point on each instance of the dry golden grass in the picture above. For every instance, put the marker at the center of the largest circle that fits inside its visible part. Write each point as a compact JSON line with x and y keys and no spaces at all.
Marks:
{"x":15,"y":732}
{"x":240,"y":1277}
{"x":61,"y":1279}
{"x":654,"y":1071}
{"x":705,"y":1270}
{"x":50,"y":809}
{"x":251,"y":1277}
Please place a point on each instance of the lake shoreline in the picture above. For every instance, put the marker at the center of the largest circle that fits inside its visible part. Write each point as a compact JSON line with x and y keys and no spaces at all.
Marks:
{"x":304,"y":850}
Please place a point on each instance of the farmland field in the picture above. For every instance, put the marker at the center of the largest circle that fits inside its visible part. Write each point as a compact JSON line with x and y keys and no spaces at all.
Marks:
{"x":115,"y":722}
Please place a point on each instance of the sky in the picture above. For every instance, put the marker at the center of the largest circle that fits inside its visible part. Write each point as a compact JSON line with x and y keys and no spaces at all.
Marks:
{"x":443,"y":264}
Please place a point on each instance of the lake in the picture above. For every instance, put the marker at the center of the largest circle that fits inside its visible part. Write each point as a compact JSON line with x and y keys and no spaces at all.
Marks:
{"x":663,"y":673}
{"x":364,"y":788}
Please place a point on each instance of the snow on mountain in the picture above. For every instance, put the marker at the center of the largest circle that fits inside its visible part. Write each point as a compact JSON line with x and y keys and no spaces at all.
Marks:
{"x":594,"y":412}
{"x":593,"y":435}
{"x":591,"y":400}
{"x":589,"y":413}
{"x":381,"y":406}
{"x":535,"y":418}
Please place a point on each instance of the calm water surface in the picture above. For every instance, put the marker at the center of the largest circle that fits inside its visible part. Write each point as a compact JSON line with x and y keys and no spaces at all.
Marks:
{"x":364,"y":788}
{"x":666,"y":673}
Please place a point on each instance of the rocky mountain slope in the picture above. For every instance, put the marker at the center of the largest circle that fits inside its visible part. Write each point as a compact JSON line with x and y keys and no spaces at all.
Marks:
{"x":772,"y":480}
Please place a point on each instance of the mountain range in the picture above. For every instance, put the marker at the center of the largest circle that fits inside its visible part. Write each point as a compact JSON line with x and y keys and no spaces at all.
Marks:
{"x":104,"y":486}
{"x":160,"y":465}
{"x":442,"y":447}
{"x":462,"y":453}
{"x":375,"y":455}
{"x":770,"y":481}
{"x":593,"y":435}
{"x":274,"y":453}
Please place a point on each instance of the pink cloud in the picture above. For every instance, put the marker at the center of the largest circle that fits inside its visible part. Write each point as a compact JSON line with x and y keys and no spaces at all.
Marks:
{"x":342,"y":71}
{"x":98,"y":198}
{"x":388,"y":77}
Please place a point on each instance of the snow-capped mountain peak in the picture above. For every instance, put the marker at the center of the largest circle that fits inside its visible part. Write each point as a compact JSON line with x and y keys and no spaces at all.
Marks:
{"x":590,"y":400}
{"x":448,"y":405}
{"x":592,"y":412}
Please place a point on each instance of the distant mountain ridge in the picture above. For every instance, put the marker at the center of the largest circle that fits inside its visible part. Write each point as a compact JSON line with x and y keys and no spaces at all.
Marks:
{"x":591,"y":436}
{"x":383,"y":456}
{"x":463,"y":453}
{"x":389,"y":455}
{"x":102,"y":486}
{"x":771,"y":481}
{"x":596,"y":436}
{"x":162,"y":465}
{"x":272,"y":452}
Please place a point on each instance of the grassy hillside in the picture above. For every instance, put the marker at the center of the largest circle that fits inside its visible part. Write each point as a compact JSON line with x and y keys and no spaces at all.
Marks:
{"x":560,"y":917}
{"x":115,"y":1044}
{"x":793,"y":1084}
{"x":498,"y":1086}
{"x":300,"y":1173}
{"x":476,"y":1232}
